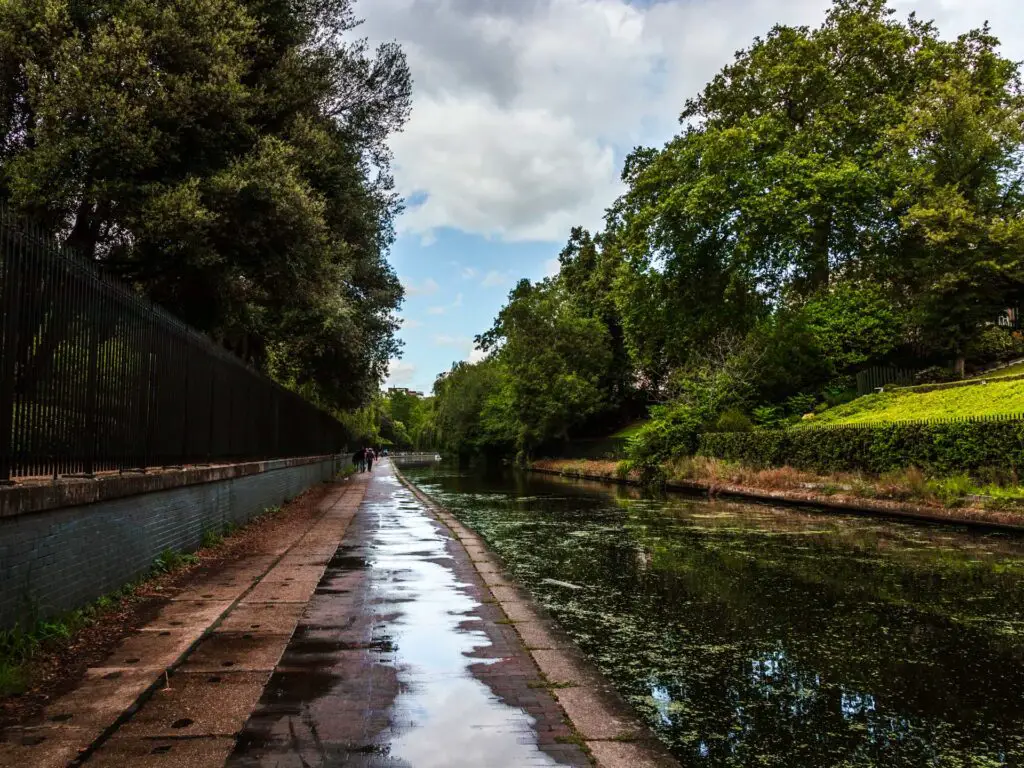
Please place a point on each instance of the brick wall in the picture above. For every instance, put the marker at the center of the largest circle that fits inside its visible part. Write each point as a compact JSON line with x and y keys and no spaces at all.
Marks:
{"x":57,"y":560}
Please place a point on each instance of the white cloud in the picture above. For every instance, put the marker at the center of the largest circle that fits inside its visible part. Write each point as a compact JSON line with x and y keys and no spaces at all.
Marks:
{"x":495,"y":279}
{"x":409,"y":323}
{"x":468,"y":273}
{"x":427,"y":288}
{"x":400,"y":373}
{"x":441,"y":310}
{"x":523,"y":109}
{"x":552,"y":267}
{"x":466,"y":346}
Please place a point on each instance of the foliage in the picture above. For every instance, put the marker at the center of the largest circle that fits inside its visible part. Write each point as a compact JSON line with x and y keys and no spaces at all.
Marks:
{"x":672,"y":431}
{"x":994,"y":398}
{"x":994,"y":345}
{"x":553,"y":357}
{"x":935,"y":374}
{"x":830,"y":168}
{"x":945,"y":448}
{"x":170,"y":560}
{"x":838,"y":197}
{"x":229,"y":157}
{"x":473,"y":409}
{"x":734,"y":420}
{"x":854,"y":324}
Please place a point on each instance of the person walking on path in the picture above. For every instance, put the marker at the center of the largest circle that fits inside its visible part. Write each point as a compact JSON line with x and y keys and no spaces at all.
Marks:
{"x":359,"y":459}
{"x":369,"y":459}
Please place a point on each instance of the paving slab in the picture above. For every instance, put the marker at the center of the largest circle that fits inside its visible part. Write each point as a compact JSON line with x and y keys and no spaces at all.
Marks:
{"x":122,"y":752}
{"x":279,"y":591}
{"x":100,"y":699}
{"x":537,"y":636}
{"x":591,"y":716}
{"x":258,"y":618}
{"x":198,"y":704}
{"x":625,"y":754}
{"x":560,"y":667}
{"x":155,"y":650}
{"x":49,"y":746}
{"x":237,"y":652}
{"x":188,"y":614}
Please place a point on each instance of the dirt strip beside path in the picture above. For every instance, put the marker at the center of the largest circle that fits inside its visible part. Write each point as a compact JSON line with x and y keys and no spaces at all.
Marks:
{"x":178,"y":691}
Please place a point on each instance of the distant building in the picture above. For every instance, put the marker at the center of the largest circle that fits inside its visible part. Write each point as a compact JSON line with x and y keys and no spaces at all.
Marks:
{"x":405,"y":391}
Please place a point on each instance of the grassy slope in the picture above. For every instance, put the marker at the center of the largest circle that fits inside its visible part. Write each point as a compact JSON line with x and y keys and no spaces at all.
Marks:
{"x":631,"y":430}
{"x":994,"y":398}
{"x":1011,"y":370}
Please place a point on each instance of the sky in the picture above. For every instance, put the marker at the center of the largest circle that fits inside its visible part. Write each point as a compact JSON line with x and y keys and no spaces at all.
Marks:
{"x":523,"y":112}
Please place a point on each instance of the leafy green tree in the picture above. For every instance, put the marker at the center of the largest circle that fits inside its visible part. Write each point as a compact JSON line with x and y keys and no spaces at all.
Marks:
{"x":868,"y":148}
{"x":469,"y":416}
{"x":227,"y":156}
{"x":555,"y":358}
{"x":963,"y":201}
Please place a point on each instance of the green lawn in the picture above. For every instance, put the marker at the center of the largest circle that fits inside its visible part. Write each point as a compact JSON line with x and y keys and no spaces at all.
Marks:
{"x":631,"y":430}
{"x":1012,"y":370}
{"x":992,"y":399}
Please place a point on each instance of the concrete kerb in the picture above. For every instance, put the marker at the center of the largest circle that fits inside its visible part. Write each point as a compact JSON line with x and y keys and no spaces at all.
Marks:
{"x":613,"y":735}
{"x":174,"y":646}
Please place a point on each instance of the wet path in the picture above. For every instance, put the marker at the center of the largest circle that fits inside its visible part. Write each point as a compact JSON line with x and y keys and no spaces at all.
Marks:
{"x":402,"y":658}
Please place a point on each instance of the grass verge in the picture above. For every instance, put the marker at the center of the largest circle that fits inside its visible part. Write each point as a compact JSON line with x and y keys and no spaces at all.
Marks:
{"x":993,"y":398}
{"x":910,"y":485}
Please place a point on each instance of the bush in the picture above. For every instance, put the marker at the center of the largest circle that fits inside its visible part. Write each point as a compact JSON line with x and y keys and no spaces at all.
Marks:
{"x":798,"y":405}
{"x":767,"y":416}
{"x":936,"y":374}
{"x":734,"y":420}
{"x":945,"y":448}
{"x":672,"y":431}
{"x":993,"y":345}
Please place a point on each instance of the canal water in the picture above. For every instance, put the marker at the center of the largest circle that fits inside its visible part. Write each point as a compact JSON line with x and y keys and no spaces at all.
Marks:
{"x":748,"y":635}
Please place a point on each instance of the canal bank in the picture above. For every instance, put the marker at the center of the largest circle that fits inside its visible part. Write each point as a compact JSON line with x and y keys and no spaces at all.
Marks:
{"x":600,"y":719}
{"x":1008,"y":520}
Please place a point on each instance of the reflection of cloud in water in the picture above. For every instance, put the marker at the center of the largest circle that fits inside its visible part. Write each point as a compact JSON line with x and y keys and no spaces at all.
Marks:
{"x":444,"y":717}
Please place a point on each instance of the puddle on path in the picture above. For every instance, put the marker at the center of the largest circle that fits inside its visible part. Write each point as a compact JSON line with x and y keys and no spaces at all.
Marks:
{"x":380,"y":669}
{"x":444,"y":716}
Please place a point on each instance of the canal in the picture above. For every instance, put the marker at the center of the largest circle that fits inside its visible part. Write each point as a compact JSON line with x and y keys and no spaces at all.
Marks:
{"x":748,"y":635}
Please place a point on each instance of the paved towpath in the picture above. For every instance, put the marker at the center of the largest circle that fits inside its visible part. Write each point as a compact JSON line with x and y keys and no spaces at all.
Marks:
{"x":403,"y":658}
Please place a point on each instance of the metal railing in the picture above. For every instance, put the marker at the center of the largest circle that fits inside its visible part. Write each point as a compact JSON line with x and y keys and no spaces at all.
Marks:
{"x":94,"y":377}
{"x":871,"y":379}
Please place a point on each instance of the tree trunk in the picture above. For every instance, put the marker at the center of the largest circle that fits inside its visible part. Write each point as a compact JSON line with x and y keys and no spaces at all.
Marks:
{"x":959,"y":366}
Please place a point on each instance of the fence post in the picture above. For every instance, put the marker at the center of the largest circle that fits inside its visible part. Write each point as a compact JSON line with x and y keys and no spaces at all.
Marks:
{"x":89,"y":458}
{"x":9,"y":318}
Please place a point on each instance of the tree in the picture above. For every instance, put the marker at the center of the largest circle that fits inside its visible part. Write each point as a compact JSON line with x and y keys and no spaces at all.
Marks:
{"x":963,"y":203}
{"x":228,"y":157}
{"x":555,"y":358}
{"x":867,"y":149}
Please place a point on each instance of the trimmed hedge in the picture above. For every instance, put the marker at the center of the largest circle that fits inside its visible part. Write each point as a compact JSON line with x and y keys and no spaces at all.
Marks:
{"x":941,"y":447}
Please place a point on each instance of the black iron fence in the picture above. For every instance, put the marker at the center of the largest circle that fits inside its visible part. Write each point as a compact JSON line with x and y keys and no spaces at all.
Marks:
{"x":871,"y":379}
{"x":94,"y":377}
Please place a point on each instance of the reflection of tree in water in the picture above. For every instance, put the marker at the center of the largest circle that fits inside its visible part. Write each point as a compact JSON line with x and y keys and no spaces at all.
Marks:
{"x":750,"y":637}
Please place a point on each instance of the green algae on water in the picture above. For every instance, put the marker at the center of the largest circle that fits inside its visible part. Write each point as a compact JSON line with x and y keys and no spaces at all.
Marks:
{"x":756,"y":636}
